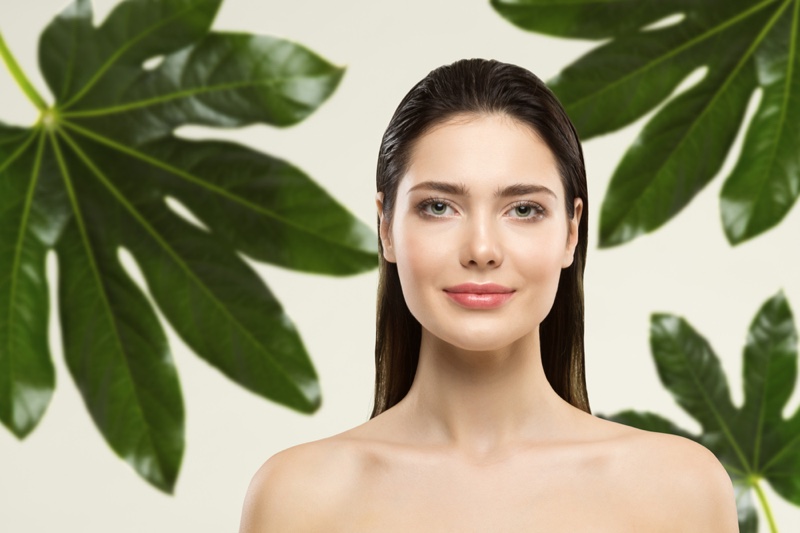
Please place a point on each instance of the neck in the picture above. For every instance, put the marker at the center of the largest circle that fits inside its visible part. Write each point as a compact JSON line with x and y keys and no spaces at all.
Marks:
{"x":481,"y":403}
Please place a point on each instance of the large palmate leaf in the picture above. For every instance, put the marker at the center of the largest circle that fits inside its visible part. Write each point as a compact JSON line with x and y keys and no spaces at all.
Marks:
{"x":94,"y":175}
{"x":753,"y":441}
{"x":742,"y":45}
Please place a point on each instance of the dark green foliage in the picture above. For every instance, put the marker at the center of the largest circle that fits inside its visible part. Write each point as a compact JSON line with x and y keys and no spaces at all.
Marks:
{"x":743,"y":45}
{"x":93,"y":175}
{"x":753,"y":441}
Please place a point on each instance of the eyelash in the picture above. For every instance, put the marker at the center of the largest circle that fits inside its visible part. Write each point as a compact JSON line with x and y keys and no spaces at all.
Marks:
{"x":538,"y":211}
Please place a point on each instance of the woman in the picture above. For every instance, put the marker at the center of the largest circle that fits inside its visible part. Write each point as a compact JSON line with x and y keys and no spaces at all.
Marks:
{"x":481,"y":419}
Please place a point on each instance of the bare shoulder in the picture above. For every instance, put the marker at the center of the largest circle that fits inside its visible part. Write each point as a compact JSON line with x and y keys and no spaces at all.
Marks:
{"x":678,"y":476}
{"x":297,"y":489}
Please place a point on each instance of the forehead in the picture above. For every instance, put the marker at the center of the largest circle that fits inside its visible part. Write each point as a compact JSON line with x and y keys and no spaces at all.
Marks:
{"x":483,"y":152}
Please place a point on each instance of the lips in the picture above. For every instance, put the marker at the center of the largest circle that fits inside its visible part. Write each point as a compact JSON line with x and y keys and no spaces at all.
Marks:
{"x":479,"y":295}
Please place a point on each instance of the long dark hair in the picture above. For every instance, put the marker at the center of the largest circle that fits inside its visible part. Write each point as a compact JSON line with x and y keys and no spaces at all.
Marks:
{"x":479,"y":86}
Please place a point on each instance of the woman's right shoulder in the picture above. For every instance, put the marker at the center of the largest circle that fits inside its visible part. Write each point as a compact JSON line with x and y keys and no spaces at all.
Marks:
{"x":300,"y":488}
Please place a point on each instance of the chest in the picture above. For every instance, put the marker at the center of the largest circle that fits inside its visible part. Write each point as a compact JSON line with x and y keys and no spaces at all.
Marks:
{"x":519,"y":496}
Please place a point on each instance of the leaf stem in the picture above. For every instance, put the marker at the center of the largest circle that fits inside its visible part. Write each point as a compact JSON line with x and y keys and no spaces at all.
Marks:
{"x":765,"y":505}
{"x":20,"y":77}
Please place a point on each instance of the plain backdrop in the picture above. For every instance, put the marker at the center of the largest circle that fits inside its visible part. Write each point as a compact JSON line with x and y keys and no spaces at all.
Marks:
{"x":64,"y":477}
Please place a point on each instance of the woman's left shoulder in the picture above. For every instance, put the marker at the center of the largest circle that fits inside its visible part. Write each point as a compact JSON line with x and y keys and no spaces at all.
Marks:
{"x":685,"y":477}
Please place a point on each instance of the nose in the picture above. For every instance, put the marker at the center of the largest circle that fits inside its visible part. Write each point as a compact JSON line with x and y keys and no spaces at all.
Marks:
{"x":481,"y":245}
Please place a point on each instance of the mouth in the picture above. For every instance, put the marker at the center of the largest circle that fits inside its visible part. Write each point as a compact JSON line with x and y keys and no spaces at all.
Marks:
{"x":479,"y":295}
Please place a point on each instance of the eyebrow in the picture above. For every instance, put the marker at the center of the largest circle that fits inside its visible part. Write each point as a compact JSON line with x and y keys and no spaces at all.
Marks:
{"x":521,"y":189}
{"x":459,"y":189}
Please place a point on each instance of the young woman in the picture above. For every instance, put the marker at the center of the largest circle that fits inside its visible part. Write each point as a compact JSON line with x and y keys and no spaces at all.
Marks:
{"x":481,"y":420}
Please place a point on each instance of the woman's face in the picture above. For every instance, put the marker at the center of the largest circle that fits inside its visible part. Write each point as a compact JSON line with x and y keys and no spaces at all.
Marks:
{"x":480,"y":232}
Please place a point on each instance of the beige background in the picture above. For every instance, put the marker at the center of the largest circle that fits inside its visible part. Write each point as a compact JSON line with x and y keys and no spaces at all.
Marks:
{"x":63,"y":477}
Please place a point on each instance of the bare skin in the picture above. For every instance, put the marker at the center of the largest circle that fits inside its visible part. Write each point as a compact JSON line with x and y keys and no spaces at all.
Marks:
{"x":573,"y":472}
{"x":482,"y":442}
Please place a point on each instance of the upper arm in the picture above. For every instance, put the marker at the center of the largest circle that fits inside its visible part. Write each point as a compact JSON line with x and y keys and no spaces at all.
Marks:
{"x":280,"y":495}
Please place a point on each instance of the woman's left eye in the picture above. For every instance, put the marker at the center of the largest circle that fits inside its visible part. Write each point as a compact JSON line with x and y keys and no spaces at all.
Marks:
{"x":526,"y":211}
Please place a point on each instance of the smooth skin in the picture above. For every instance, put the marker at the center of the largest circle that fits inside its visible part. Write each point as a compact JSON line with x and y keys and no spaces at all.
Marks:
{"x":482,"y":442}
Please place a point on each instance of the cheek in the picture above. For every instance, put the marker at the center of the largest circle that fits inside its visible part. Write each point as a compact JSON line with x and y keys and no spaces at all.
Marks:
{"x":421,"y":259}
{"x":540,"y":267}
{"x":423,"y":262}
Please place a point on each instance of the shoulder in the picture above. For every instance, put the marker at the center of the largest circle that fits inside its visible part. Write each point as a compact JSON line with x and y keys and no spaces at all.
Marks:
{"x":681,"y":479}
{"x":293,"y":482}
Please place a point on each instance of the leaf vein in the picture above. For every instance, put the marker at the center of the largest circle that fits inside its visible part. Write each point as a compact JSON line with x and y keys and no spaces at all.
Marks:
{"x":121,"y":51}
{"x":203,"y":183}
{"x":780,"y":453}
{"x":18,"y":248}
{"x":176,"y":257}
{"x":188,"y":93}
{"x":694,"y":123}
{"x":712,"y":407}
{"x":675,"y":51}
{"x":100,"y":285}
{"x":18,"y":152}
{"x":787,"y":93}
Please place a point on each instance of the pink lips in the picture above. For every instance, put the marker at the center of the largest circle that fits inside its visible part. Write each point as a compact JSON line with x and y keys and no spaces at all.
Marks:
{"x":479,"y":296}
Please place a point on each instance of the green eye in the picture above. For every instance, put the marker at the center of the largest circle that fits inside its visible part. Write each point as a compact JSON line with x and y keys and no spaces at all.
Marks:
{"x":527,"y":211}
{"x":438,"y":208}
{"x":431,"y":207}
{"x":522,"y":210}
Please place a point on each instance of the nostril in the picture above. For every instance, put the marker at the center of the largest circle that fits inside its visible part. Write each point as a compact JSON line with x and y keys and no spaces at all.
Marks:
{"x":490,"y":262}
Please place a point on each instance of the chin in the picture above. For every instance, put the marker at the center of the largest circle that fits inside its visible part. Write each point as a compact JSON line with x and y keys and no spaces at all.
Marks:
{"x":482,"y":339}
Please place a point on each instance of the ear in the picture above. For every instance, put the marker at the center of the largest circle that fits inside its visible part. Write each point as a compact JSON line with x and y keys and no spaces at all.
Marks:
{"x":572,"y":238}
{"x":385,"y":231}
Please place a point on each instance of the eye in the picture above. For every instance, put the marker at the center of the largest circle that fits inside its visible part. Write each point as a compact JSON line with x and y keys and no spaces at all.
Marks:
{"x":522,"y":210}
{"x":434,"y":207}
{"x":527,"y":210}
{"x":438,"y":208}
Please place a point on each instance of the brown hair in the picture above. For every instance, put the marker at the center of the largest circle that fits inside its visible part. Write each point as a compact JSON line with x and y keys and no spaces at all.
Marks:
{"x":479,"y":86}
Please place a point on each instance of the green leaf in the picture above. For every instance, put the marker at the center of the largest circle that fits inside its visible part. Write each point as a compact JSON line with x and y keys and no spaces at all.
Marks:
{"x":649,"y":422}
{"x":224,"y":80}
{"x":126,"y":374}
{"x":218,"y":305}
{"x":587,"y":19}
{"x":676,"y":155}
{"x":765,"y":182}
{"x":741,"y":45}
{"x":753,"y":441}
{"x":79,"y":60}
{"x":223,"y":310}
{"x":690,"y":370}
{"x":781,"y":456}
{"x":27,"y":378}
{"x":308,"y":230}
{"x":99,"y":172}
{"x":770,"y":371}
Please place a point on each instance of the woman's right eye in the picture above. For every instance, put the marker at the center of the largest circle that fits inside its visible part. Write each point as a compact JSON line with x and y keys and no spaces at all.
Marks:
{"x":436,"y":208}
